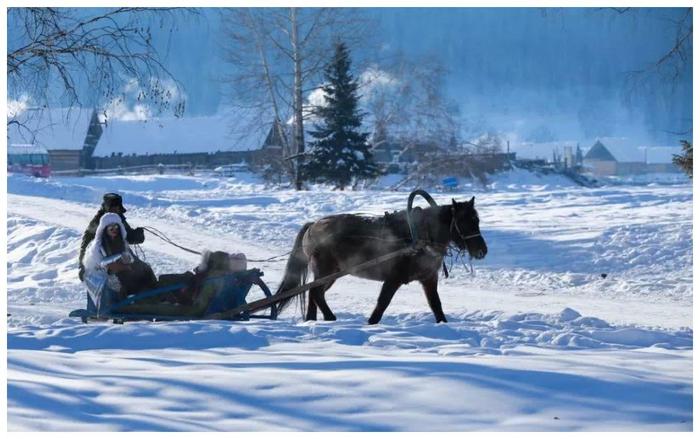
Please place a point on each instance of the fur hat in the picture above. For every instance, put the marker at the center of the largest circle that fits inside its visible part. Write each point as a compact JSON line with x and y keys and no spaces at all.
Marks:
{"x":110,"y":200}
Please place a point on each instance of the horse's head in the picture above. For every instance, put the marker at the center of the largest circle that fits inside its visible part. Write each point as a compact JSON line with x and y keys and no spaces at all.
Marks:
{"x":464,"y":229}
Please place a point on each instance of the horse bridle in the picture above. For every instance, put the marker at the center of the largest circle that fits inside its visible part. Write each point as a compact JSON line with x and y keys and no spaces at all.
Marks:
{"x":453,"y":224}
{"x":429,"y":199}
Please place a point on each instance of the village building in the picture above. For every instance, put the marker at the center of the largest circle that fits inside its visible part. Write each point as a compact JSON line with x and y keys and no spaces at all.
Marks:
{"x":79,"y":140}
{"x":599,"y":161}
{"x":196,"y":141}
{"x":387,"y":152}
{"x":617,"y":157}
{"x":69,"y":136}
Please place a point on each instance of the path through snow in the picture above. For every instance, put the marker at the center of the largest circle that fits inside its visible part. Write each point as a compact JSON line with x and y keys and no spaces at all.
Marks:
{"x":537,"y":340}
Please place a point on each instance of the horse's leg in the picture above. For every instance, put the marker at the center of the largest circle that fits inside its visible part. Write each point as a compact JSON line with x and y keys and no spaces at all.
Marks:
{"x":388,"y":289}
{"x":320,"y":299}
{"x":317,"y":296}
{"x":431,"y":293}
{"x":311,"y":309}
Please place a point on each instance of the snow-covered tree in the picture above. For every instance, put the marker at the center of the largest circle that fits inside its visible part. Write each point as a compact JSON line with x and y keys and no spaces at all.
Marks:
{"x":406,"y":100}
{"x":340,"y":152}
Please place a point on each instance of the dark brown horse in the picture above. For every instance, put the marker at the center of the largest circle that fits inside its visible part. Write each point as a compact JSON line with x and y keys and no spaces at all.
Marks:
{"x":341,"y":242}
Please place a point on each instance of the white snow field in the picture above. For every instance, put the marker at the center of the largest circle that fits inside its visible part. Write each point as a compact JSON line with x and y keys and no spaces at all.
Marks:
{"x":536,"y":338}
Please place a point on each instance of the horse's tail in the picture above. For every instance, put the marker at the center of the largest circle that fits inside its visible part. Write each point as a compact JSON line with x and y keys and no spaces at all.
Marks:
{"x":295,"y":271}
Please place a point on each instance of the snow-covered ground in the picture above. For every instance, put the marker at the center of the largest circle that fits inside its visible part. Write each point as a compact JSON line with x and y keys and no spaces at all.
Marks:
{"x":537,"y":339}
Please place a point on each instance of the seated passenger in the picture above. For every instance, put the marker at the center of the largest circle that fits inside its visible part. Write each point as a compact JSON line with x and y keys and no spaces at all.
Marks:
{"x":110,"y":262}
{"x":111,"y":202}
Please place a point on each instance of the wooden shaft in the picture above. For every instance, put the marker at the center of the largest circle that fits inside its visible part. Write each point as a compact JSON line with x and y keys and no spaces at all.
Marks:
{"x":266,"y":302}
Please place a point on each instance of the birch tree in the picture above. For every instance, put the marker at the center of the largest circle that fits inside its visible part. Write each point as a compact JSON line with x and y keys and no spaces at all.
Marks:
{"x":277,"y":56}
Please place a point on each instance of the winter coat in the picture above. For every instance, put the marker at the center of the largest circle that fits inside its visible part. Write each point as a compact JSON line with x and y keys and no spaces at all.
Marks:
{"x":138,"y":277}
{"x":95,"y":252}
{"x":97,"y":276}
{"x":133,"y":236}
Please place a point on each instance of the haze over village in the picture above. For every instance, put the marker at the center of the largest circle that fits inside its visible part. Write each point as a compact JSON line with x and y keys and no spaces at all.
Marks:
{"x":540,"y":85}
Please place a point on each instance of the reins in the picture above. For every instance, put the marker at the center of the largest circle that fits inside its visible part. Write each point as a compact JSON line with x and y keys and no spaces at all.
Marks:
{"x":455,"y":225}
{"x":157,"y":233}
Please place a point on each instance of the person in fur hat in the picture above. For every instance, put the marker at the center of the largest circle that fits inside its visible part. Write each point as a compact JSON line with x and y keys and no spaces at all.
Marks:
{"x":110,"y":262}
{"x":111,"y":202}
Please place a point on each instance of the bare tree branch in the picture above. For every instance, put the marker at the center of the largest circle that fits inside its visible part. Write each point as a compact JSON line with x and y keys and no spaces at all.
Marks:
{"x":277,"y":57}
{"x":96,"y":52}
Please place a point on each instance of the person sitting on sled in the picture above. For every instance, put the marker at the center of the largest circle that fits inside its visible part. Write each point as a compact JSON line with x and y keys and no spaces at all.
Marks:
{"x":111,"y":202}
{"x":109,"y":262}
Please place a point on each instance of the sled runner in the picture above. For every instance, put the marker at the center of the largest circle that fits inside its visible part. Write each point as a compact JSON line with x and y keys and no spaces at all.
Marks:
{"x":231,"y":296}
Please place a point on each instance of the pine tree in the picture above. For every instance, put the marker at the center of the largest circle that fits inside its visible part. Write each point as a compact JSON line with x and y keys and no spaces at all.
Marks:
{"x":340,"y":152}
{"x":685,"y":160}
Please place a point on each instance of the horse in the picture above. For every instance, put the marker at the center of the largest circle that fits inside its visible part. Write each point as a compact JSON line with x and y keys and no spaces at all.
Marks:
{"x":341,"y":242}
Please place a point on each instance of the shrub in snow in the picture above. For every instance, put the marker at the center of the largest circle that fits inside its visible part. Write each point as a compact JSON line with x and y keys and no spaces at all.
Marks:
{"x":685,"y":160}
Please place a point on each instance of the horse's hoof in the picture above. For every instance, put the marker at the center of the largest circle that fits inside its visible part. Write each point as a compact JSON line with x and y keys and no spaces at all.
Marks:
{"x":372,"y":321}
{"x":330,"y":319}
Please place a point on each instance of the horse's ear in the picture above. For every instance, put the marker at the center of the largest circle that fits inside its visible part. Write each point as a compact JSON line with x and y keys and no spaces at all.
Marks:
{"x":471,"y":202}
{"x":454,"y":203}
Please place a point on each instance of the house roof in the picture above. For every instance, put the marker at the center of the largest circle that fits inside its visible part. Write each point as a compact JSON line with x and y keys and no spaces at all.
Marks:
{"x":14,"y":148}
{"x":57,"y":128}
{"x":626,"y":151}
{"x":219,"y":132}
{"x":599,"y":152}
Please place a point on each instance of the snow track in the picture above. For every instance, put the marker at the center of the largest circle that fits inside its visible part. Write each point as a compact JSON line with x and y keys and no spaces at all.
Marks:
{"x":537,"y":340}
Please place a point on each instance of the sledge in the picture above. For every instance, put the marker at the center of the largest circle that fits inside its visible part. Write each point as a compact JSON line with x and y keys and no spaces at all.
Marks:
{"x":232,"y":296}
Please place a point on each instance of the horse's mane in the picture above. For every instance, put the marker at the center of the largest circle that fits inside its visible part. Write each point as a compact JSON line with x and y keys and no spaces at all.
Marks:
{"x":397,"y":223}
{"x":418,"y":213}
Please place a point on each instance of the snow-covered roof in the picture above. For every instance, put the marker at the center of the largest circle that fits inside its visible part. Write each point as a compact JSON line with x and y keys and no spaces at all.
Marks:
{"x":621,"y":149}
{"x":57,"y":128}
{"x":29,"y":148}
{"x":599,"y":152}
{"x":220,"y":132}
{"x":626,"y":151}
